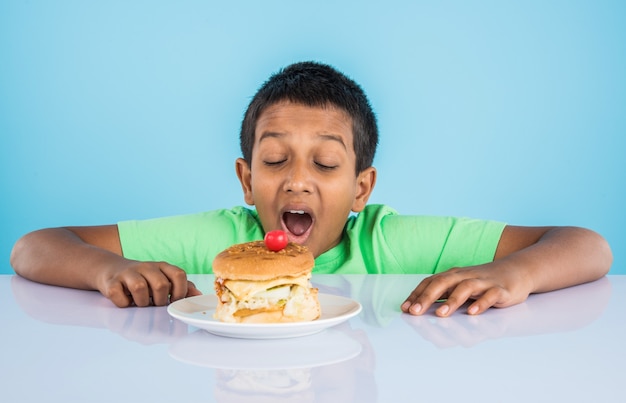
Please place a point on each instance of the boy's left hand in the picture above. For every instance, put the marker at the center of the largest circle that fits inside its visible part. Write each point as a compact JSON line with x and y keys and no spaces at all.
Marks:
{"x":488,"y":285}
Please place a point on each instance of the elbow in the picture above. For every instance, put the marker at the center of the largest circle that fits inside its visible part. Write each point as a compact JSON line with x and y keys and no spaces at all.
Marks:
{"x":17,"y":253}
{"x":606,"y":253}
{"x":599,"y":250}
{"x":590,"y":251}
{"x":23,"y":255}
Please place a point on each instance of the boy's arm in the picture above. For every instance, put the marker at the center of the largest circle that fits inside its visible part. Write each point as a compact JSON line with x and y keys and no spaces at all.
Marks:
{"x":90,"y":258}
{"x":528,"y":260}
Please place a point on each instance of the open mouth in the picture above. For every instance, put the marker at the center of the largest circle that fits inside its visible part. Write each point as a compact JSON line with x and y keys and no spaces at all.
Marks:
{"x":297,"y":223}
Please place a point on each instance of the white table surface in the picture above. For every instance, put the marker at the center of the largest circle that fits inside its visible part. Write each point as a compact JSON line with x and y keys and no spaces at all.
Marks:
{"x":68,"y":345}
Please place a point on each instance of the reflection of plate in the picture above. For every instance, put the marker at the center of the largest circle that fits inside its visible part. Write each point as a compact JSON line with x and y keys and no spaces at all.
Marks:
{"x":207,"y":350}
{"x":198,"y":311}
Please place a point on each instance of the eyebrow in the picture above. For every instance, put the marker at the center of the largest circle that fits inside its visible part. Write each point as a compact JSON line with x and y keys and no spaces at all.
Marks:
{"x":265,"y":135}
{"x":334,"y":137}
{"x":324,"y":136}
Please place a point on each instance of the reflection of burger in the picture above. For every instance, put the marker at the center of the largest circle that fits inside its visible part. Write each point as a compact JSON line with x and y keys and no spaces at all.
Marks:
{"x":256,"y":285}
{"x":287,"y":385}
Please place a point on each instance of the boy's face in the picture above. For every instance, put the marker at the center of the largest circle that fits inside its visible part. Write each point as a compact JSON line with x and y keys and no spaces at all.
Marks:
{"x":302,"y":176}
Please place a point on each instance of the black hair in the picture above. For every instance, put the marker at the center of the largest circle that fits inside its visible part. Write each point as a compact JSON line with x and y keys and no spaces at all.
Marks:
{"x":316,"y":85}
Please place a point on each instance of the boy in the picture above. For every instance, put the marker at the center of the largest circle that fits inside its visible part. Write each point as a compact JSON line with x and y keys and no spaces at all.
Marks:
{"x":308,"y":140}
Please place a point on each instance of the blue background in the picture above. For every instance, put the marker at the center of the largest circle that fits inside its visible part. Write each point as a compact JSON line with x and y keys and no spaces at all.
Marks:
{"x":513,"y":111}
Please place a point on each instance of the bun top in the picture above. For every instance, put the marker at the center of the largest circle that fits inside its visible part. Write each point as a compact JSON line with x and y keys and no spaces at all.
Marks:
{"x":254,"y":261}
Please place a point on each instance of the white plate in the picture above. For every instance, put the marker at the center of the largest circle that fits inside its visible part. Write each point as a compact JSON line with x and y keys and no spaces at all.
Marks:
{"x":327,"y":347}
{"x":198,"y":311}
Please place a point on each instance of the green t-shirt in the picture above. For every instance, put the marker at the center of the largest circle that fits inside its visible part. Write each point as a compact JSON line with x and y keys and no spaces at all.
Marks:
{"x":377,"y":240}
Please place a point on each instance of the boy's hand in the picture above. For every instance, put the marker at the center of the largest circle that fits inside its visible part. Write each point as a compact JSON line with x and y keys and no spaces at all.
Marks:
{"x":488,"y":285}
{"x":146,"y":283}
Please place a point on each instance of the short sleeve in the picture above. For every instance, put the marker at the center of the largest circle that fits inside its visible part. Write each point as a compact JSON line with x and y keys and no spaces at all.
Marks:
{"x":435,"y":244}
{"x":188,"y":241}
{"x":382,"y":241}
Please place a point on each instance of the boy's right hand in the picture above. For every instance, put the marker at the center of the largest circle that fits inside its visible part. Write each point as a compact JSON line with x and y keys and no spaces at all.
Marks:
{"x":145,"y":284}
{"x":90,"y":258}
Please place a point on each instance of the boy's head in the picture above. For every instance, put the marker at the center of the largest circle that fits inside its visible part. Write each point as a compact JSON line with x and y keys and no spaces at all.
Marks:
{"x":315,"y":85}
{"x":304,"y":134}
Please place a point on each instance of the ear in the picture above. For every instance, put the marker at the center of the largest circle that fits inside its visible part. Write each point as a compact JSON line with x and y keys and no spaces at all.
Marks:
{"x":365,"y":182}
{"x":244,"y":173}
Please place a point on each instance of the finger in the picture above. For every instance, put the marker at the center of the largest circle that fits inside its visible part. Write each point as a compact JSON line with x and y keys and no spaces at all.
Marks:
{"x":160,"y":284}
{"x":139,"y":289}
{"x":177,"y":281}
{"x":192,"y":290}
{"x":459,"y":296}
{"x":433,"y":290}
{"x":118,"y":294}
{"x":410,"y":305}
{"x":489,"y":299}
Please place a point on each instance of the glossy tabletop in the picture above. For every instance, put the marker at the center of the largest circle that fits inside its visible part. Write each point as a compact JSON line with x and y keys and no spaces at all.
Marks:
{"x":68,"y":345}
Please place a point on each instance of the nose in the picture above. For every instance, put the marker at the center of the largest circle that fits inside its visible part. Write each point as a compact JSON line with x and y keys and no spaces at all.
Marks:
{"x":298,"y":179}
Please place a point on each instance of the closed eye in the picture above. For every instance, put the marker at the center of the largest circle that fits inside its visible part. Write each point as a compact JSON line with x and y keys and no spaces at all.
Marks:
{"x":325,"y":167}
{"x":274,"y":163}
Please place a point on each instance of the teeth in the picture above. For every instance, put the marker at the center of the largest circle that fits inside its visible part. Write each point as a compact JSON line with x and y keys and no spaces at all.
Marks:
{"x":296,"y":211}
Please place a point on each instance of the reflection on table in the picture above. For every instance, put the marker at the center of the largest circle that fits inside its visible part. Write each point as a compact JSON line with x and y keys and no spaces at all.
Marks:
{"x":382,"y":354}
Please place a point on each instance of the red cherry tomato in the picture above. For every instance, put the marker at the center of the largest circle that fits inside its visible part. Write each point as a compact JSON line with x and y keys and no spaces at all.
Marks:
{"x":276,"y":240}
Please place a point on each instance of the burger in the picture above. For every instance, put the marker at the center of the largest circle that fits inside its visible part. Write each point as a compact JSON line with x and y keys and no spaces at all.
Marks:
{"x":254,"y":284}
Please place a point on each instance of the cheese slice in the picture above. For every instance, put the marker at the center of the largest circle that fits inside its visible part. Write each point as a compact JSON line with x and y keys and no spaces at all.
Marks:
{"x":246,"y":289}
